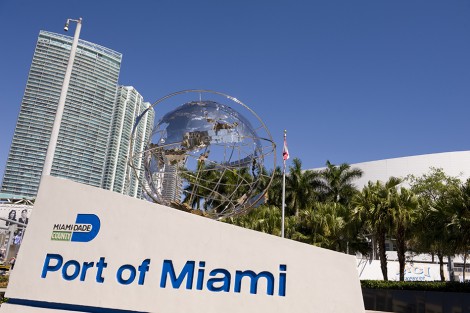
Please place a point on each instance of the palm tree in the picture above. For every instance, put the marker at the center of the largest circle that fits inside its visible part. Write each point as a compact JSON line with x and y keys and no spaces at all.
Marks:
{"x":301,"y":187}
{"x":431,"y":234}
{"x":338,"y":182}
{"x":274,"y":193}
{"x":373,"y":206}
{"x":198,"y":185}
{"x":329,"y":225}
{"x":403,"y":214}
{"x":214,"y":188}
{"x":337,"y":186}
{"x":266,"y":219}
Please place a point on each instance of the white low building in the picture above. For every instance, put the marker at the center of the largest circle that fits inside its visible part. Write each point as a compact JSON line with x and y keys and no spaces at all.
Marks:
{"x":418,"y":267}
{"x":455,"y":164}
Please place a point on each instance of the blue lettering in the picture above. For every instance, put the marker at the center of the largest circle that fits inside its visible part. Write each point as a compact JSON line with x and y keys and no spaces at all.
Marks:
{"x":254,"y":281}
{"x":187,"y":271}
{"x":143,"y":268}
{"x":75,"y":272}
{"x":132,"y":273}
{"x":99,"y":273}
{"x":216,"y":280}
{"x":282,"y":280}
{"x":200,"y":275}
{"x":51,"y":268}
{"x":86,"y":266}
{"x":220,"y":279}
{"x":72,"y":268}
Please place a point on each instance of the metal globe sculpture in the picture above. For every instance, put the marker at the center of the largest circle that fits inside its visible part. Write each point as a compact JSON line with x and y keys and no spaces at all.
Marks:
{"x":203,"y":156}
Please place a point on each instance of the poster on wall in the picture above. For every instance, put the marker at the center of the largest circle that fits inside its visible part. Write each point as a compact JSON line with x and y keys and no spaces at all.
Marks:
{"x":14,"y":220}
{"x":14,"y":213}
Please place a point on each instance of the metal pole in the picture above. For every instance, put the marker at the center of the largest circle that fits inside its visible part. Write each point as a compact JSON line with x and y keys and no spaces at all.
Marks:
{"x":12,"y":222}
{"x":60,"y":108}
{"x":283,"y":189}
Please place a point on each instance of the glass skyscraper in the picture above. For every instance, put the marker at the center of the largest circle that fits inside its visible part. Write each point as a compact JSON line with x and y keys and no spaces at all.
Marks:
{"x":129,"y":105}
{"x":90,"y":122}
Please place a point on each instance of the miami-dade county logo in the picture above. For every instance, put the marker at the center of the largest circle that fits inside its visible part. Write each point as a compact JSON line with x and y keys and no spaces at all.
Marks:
{"x":85,"y":229}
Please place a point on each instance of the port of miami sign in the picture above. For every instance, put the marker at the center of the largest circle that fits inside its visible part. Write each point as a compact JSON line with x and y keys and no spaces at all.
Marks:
{"x":91,"y":250}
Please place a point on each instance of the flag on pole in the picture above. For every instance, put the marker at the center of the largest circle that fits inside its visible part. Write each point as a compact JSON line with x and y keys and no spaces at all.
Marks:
{"x":285,"y":151}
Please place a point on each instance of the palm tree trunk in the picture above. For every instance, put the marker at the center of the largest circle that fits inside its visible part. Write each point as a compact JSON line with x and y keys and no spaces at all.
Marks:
{"x":382,"y":255}
{"x":464,"y":264}
{"x":450,"y":266}
{"x":374,"y":249}
{"x":441,"y":265}
{"x":400,"y":236}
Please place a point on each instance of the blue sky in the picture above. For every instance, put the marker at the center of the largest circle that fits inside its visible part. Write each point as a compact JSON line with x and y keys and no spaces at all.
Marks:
{"x":351,"y":81}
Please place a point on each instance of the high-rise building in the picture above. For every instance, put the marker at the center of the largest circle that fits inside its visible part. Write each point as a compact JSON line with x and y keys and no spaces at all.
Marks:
{"x":172,"y":184}
{"x":84,"y":134}
{"x":129,"y":105}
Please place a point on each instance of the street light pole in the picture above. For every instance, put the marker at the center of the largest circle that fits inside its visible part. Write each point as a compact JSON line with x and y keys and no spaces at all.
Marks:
{"x":63,"y":94}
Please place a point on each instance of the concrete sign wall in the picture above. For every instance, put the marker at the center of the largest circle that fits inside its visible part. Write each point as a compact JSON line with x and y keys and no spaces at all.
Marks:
{"x":91,"y":250}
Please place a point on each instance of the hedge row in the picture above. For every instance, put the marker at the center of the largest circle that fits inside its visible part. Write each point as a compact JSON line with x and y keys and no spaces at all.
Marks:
{"x":446,"y":286}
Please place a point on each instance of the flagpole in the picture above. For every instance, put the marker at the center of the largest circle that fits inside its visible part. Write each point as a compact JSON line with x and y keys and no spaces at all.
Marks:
{"x":283,"y":184}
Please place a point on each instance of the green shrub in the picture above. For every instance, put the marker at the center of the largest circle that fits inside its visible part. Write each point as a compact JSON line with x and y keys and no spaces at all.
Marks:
{"x":4,"y":281}
{"x":446,"y":286}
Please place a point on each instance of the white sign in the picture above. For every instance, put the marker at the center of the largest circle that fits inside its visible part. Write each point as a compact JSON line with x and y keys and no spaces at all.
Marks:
{"x":91,"y":250}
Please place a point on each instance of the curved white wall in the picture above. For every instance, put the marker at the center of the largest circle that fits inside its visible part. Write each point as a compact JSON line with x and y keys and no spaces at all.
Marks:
{"x":453,"y":163}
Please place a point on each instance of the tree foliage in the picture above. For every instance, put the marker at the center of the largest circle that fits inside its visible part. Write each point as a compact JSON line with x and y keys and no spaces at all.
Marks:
{"x":423,"y":214}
